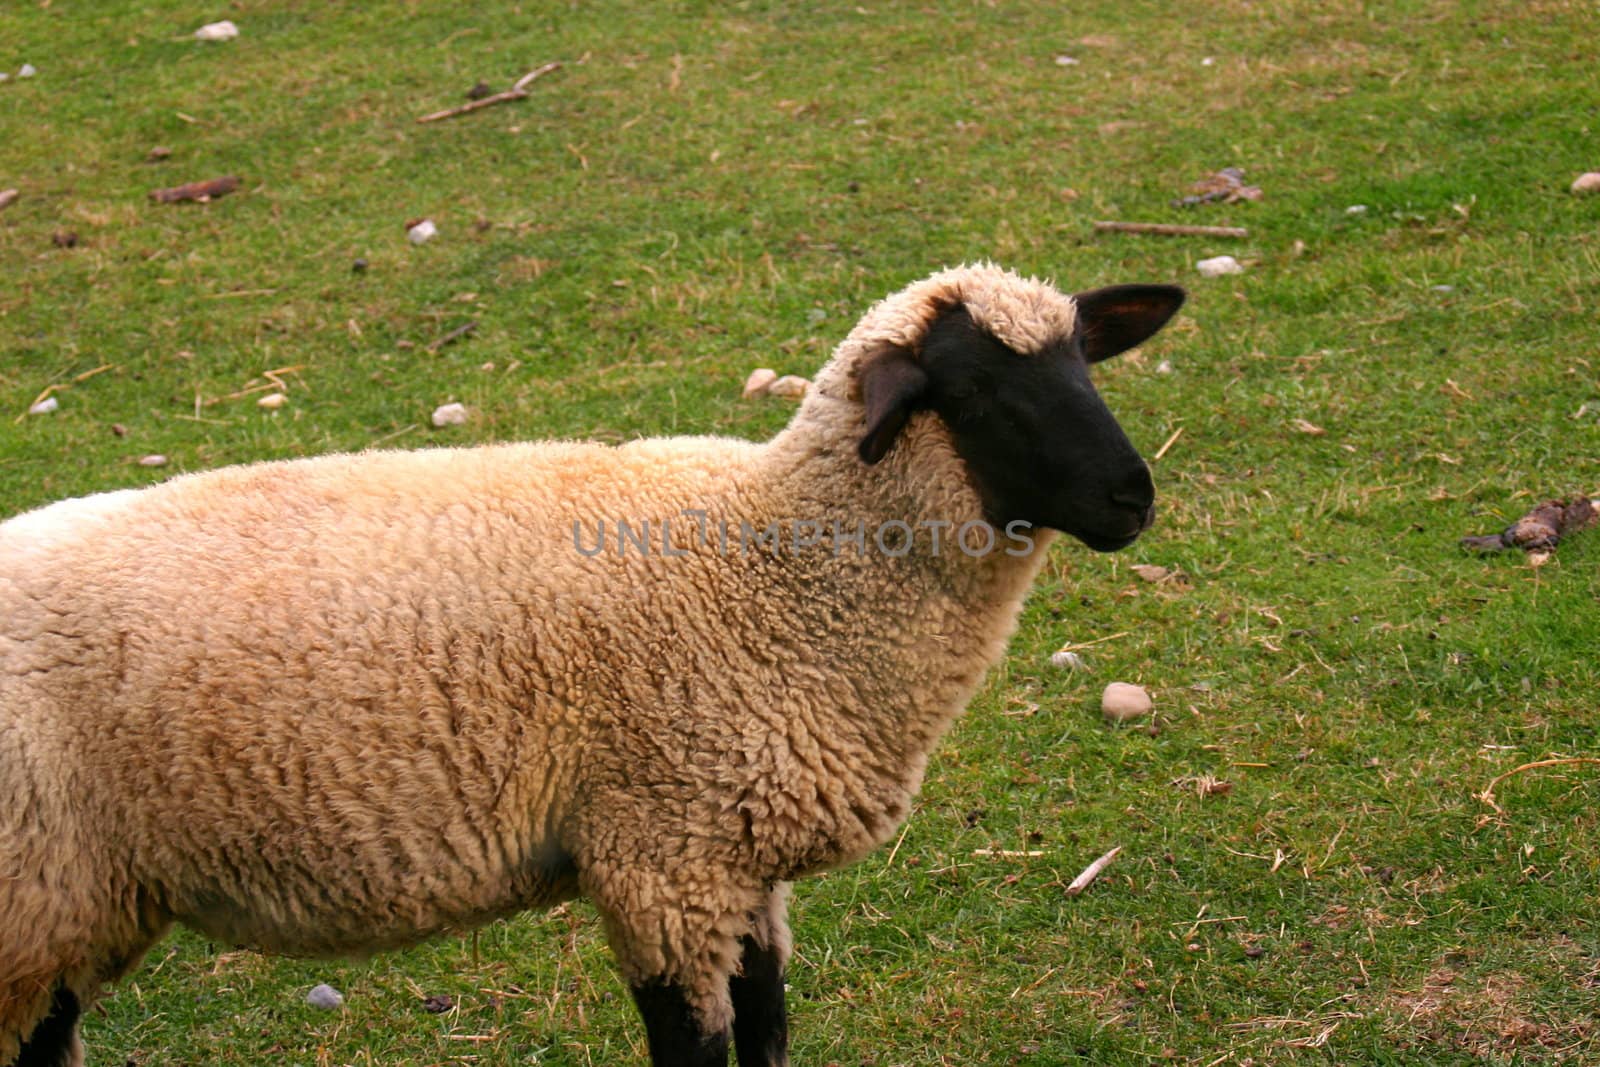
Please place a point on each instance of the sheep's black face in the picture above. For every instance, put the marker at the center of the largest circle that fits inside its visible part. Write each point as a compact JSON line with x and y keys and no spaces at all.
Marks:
{"x":1039,"y":442}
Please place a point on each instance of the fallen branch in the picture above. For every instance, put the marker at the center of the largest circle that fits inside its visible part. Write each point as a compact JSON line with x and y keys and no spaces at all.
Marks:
{"x":199,"y":191}
{"x":1487,"y":796}
{"x":1091,"y":872}
{"x":516,"y":92}
{"x":454,"y":335}
{"x":1168,"y":229}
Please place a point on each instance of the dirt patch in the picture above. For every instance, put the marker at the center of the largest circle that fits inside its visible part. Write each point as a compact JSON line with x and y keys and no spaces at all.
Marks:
{"x":1487,"y":1015}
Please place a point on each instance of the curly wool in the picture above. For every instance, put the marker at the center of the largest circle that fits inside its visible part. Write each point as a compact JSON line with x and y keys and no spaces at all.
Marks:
{"x":334,"y":705}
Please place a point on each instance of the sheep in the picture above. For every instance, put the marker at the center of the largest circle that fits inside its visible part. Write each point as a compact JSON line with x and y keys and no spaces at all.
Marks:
{"x":340,"y":704}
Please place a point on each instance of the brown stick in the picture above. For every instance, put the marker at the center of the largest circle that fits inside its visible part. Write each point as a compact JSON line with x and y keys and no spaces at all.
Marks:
{"x":1166,"y":229}
{"x":201,"y":191}
{"x":1487,"y":796}
{"x":454,"y":335}
{"x":1091,"y":872}
{"x":516,"y":92}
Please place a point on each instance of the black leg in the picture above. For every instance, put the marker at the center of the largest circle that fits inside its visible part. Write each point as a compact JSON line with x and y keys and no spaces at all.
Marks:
{"x":52,"y":1041}
{"x":676,"y":1039}
{"x":760,"y":1020}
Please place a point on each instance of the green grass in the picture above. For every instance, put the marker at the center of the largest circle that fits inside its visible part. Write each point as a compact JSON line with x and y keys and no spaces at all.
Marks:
{"x":704,"y":189}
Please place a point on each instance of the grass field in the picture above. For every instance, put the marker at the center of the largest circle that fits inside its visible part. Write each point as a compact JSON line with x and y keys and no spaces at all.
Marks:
{"x":1306,"y":872}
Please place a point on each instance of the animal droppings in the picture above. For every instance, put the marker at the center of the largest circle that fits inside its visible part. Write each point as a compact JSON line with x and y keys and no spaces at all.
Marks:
{"x":217,"y":31}
{"x":1586,"y":183}
{"x":759,"y":382}
{"x":421,"y":232}
{"x":791,"y":385}
{"x":450,"y":415}
{"x":1125,"y":702}
{"x":1068,"y":660}
{"x":326,"y":997}
{"x":1217,"y":266}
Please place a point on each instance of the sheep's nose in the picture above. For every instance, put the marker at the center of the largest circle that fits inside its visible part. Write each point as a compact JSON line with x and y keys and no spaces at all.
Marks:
{"x":1137,"y":492}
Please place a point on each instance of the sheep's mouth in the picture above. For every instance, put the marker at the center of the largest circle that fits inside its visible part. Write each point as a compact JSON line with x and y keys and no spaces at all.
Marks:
{"x":1102,"y":541}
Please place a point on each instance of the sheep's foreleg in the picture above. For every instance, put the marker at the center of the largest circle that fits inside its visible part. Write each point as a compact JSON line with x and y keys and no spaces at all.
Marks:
{"x":676,"y":1035}
{"x":760,"y":1019}
{"x":54,"y":1042}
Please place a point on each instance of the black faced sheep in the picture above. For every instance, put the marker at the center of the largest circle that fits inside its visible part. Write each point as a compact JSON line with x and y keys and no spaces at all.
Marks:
{"x":339,"y":704}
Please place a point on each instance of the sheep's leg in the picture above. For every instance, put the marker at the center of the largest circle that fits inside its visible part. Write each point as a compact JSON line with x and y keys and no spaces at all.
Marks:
{"x":760,"y":1019}
{"x":54,"y":1042}
{"x":677,"y":1038}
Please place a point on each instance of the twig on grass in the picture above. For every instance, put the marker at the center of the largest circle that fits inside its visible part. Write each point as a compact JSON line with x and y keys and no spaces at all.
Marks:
{"x":454,"y":335}
{"x":1170,"y":442}
{"x":1169,"y":229}
{"x":1091,"y":872}
{"x":1487,"y":795}
{"x":516,"y":92}
{"x":202,"y":192}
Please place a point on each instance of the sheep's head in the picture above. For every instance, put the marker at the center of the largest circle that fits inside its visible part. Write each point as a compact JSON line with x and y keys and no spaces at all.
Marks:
{"x":1004,"y":362}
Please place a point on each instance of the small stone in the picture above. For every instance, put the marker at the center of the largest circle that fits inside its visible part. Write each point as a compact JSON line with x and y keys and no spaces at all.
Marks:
{"x":118,"y":430}
{"x":358,"y":265}
{"x":438,"y":1004}
{"x":450,"y":415}
{"x":154,"y":460}
{"x":158,"y":153}
{"x":791,"y":385}
{"x":64,"y":239}
{"x":272,"y":401}
{"x":1356,"y":209}
{"x":1587,"y":183}
{"x":45,"y":406}
{"x":326,"y":997}
{"x":1164,"y":367}
{"x":1124,"y":702}
{"x":1066,"y":61}
{"x":217,"y":31}
{"x":27,"y":70}
{"x":1068,"y":660}
{"x":1217,"y":266}
{"x":759,"y":381}
{"x":421,"y":231}
{"x":480,"y":90}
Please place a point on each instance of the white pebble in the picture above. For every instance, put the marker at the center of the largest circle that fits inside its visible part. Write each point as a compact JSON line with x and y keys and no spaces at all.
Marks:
{"x":1218,"y":266}
{"x":1124,"y":702}
{"x":217,"y":31}
{"x":1163,"y":367}
{"x":1587,"y":183}
{"x":789,"y":385}
{"x":1208,"y":61}
{"x":1356,"y":209}
{"x":758,"y":382}
{"x":26,"y":71}
{"x":422,"y":232}
{"x":272,"y":401}
{"x":450,"y":415}
{"x":1068,"y":661}
{"x":45,"y":406}
{"x":1066,"y":61}
{"x":326,"y":997}
{"x":154,"y":460}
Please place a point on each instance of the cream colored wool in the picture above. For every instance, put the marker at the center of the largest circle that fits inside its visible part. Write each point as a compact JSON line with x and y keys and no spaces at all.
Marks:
{"x":339,"y":704}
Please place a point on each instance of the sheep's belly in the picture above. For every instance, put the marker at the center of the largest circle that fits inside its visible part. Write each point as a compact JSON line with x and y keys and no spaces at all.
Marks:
{"x":354,"y":909}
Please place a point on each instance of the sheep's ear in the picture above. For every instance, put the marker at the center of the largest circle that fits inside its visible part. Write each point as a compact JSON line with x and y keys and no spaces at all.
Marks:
{"x":891,"y":385}
{"x":1114,"y":319}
